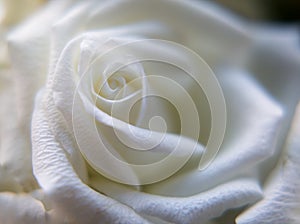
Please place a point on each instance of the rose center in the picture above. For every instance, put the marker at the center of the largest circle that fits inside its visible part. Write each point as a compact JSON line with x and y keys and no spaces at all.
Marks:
{"x":118,"y":86}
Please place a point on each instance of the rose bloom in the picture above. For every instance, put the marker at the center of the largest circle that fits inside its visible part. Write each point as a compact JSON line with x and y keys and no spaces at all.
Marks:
{"x":107,"y":110}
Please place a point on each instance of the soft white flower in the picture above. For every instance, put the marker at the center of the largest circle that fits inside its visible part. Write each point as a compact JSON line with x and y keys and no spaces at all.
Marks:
{"x":258,"y":71}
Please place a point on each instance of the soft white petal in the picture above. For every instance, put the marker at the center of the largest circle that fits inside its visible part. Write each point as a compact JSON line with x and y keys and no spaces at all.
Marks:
{"x":27,"y":43}
{"x":253,"y":124}
{"x":274,"y":60}
{"x":208,"y":30}
{"x":29,"y":50}
{"x":56,"y":176}
{"x":282,"y":198}
{"x":15,"y":159}
{"x":195,"y":209}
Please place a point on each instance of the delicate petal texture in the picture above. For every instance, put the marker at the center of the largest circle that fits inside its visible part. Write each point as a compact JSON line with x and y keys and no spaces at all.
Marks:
{"x":282,"y":201}
{"x":75,"y":201}
{"x":194,"y":209}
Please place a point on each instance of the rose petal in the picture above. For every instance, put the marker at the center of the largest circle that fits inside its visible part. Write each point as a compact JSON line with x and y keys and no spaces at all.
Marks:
{"x":194,"y":209}
{"x":217,"y":32}
{"x":274,"y":60}
{"x":15,"y":160}
{"x":27,"y":42}
{"x":57,"y":177}
{"x":30,"y":42}
{"x":282,"y":200}
{"x":254,"y":117}
{"x":21,"y":209}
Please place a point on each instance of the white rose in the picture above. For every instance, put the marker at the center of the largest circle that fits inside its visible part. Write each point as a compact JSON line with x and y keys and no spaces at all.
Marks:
{"x":89,"y":43}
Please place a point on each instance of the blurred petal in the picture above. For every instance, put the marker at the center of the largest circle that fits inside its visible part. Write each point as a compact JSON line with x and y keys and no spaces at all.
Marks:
{"x":21,"y":208}
{"x":28,"y":48}
{"x":13,"y":11}
{"x":201,"y":26}
{"x":15,"y":159}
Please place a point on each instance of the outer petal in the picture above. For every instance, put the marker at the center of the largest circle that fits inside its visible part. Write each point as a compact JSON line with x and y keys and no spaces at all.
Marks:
{"x":29,"y":49}
{"x":282,"y":200}
{"x":21,"y":209}
{"x":195,"y":209}
{"x":27,"y":43}
{"x":69,"y":195}
{"x":15,"y":164}
{"x":274,"y":60}
{"x":201,"y":26}
{"x":7,"y":180}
